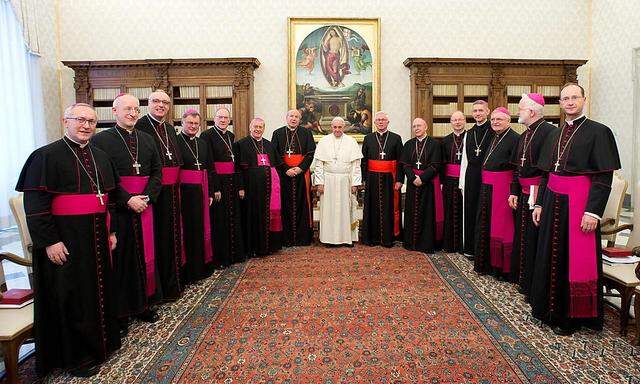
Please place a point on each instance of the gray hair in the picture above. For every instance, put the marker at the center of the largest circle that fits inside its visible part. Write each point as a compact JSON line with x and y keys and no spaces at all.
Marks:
{"x":537,"y":109}
{"x":338,"y":118}
{"x":68,"y":111}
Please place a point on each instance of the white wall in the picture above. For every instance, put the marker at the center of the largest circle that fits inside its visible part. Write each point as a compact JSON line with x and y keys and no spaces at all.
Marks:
{"x":124,"y":29}
{"x":616,"y":32}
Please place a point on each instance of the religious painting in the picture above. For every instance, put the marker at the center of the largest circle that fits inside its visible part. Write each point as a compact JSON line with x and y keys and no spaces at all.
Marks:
{"x":334,"y":70}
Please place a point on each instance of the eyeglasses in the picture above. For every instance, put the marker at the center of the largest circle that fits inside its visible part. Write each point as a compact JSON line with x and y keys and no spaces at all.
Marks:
{"x":572,"y":98}
{"x":82,"y":120}
{"x":158,"y":101}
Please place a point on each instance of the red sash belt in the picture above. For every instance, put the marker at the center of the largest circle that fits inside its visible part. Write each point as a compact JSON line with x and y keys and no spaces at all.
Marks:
{"x":82,"y":204}
{"x":527,"y":182}
{"x":583,"y":270}
{"x":135,"y":185}
{"x":170,"y":175}
{"x":224,"y":167}
{"x":294,"y":161}
{"x":200,"y":178}
{"x":437,"y":195}
{"x":502,"y":225}
{"x":389,"y":166}
{"x":452,"y":170}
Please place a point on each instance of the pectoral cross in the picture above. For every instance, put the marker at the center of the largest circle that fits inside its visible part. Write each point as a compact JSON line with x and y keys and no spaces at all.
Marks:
{"x":169,"y":154}
{"x":418,"y":163}
{"x":198,"y":164}
{"x":289,"y":152}
{"x":477,"y":151}
{"x":522,"y":160}
{"x":136,"y":166}
{"x":556,"y":165}
{"x":458,"y":155}
{"x":263,"y":161}
{"x":233,"y":158}
{"x":382,"y":154}
{"x":99,"y":196}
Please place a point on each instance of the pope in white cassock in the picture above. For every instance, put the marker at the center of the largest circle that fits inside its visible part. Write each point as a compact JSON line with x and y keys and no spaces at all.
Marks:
{"x":337,"y":176}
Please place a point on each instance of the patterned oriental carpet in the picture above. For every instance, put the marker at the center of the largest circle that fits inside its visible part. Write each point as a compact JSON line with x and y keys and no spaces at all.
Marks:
{"x":353,"y":315}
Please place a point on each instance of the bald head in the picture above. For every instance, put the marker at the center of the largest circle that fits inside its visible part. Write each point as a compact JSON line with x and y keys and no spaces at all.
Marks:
{"x":159,"y":103}
{"x":458,"y":121}
{"x":126,"y":110}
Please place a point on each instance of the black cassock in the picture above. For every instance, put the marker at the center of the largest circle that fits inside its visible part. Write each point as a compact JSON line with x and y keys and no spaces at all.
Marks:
{"x":130,"y":268}
{"x":592,"y":153}
{"x":263,"y":229}
{"x":381,"y":213}
{"x":452,"y":147}
{"x":74,"y":317}
{"x":526,"y":233}
{"x":477,"y":140}
{"x":226,"y":222}
{"x":295,"y":148}
{"x":421,"y":232}
{"x":492,"y":252}
{"x":198,"y":247}
{"x":166,"y":210}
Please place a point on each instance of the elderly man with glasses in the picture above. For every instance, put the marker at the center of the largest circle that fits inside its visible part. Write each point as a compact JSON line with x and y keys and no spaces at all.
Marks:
{"x":69,"y":187}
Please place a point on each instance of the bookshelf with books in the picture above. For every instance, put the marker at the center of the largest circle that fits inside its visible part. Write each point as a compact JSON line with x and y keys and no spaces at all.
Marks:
{"x":201,"y":84}
{"x":440,"y":86}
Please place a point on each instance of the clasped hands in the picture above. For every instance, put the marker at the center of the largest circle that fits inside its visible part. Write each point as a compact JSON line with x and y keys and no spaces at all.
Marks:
{"x":138,"y":203}
{"x":294,"y":171}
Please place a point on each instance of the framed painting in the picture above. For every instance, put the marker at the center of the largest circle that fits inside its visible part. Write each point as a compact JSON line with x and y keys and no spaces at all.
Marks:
{"x":334,"y":70}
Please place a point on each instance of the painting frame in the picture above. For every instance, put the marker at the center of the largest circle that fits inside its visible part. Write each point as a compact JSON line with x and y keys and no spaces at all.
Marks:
{"x":353,"y":91}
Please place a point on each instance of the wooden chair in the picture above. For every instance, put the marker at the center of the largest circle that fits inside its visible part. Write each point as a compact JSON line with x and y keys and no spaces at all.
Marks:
{"x":611,"y":217}
{"x":16,"y":326}
{"x":16,"y":204}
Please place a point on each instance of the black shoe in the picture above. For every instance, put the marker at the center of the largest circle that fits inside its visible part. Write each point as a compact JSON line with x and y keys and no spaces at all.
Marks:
{"x":149,"y":316}
{"x":564,"y":331}
{"x":86,"y":370}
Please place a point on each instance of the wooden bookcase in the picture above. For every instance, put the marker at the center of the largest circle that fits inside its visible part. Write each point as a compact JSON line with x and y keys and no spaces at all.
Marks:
{"x":440,"y":86}
{"x":202,"y":84}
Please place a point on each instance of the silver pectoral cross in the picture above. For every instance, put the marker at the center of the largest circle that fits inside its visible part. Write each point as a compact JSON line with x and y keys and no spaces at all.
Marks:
{"x":233,"y":158}
{"x":522,"y":160}
{"x":169,"y":154}
{"x":136,"y":166}
{"x":99,"y":196}
{"x":458,"y":155}
{"x":382,"y":154}
{"x":418,"y":164}
{"x":477,"y":151}
{"x":289,"y":152}
{"x":198,"y":164}
{"x":556,"y":165}
{"x":263,"y":160}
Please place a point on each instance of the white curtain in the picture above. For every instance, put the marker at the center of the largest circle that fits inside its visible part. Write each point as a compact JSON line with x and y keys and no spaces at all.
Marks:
{"x":21,"y":106}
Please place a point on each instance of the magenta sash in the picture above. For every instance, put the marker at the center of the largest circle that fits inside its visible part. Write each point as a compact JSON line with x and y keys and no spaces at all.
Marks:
{"x":527,"y":182}
{"x":452,"y":170}
{"x":170,"y":175}
{"x":439,"y":205}
{"x":200,"y":178}
{"x":82,"y":204}
{"x":275,"y":207}
{"x":224,"y":167}
{"x":583,"y":269}
{"x":135,"y":185}
{"x":502,"y":224}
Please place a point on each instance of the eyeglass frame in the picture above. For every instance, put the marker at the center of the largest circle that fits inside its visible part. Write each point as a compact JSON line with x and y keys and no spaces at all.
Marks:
{"x":81,"y":120}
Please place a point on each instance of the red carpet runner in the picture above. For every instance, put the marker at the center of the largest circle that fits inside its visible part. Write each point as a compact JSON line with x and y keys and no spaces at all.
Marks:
{"x":348,"y":315}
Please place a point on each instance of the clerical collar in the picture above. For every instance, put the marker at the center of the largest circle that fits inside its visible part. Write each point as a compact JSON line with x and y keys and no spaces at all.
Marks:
{"x":571,"y":122}
{"x":382,"y":133}
{"x":483,"y":123}
{"x":75,"y":142}
{"x":458,"y":134}
{"x":188,"y":137}
{"x":219,"y":129}
{"x":292,"y":129}
{"x":125,"y":129}
{"x":536,"y":124}
{"x":421,"y":139}
{"x":154,"y":119}
{"x":258,"y":140}
{"x":503,"y":132}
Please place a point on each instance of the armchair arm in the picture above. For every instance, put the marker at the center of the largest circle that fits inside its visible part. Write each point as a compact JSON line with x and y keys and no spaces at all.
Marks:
{"x":617,"y":229}
{"x":14,"y":259}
